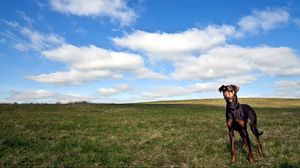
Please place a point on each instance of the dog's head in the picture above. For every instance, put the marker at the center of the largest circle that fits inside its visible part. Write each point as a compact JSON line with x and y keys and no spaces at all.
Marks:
{"x":229,"y":92}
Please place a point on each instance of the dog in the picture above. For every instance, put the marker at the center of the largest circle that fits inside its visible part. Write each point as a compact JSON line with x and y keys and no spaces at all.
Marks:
{"x":237,"y":117}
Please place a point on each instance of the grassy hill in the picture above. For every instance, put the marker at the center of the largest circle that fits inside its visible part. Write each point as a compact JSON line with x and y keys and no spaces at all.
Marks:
{"x":190,"y":133}
{"x":255,"y":102}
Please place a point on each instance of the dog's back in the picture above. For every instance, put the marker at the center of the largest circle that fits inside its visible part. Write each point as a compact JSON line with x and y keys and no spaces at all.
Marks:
{"x":249,"y":113}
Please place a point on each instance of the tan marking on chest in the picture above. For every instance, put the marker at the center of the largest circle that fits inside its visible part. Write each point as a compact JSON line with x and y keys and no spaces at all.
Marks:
{"x":240,"y":122}
{"x":229,"y":123}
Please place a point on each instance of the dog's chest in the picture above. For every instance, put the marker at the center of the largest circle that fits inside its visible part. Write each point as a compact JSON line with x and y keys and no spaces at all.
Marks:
{"x":235,"y":118}
{"x":235,"y":114}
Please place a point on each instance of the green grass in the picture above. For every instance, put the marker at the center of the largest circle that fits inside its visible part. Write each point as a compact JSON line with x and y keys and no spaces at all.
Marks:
{"x":158,"y":134}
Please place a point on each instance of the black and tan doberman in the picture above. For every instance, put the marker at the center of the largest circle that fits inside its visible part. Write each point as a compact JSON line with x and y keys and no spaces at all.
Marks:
{"x":237,"y":117}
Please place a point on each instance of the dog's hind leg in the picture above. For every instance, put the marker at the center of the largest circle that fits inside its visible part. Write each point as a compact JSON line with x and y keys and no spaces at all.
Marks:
{"x":256,"y":134}
{"x":245,"y":136}
{"x":244,"y":141}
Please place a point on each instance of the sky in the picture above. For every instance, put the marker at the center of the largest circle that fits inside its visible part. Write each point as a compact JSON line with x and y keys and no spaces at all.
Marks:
{"x":122,"y":51}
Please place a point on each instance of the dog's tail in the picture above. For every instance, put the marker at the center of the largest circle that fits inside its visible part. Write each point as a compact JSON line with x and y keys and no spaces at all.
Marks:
{"x":254,"y":129}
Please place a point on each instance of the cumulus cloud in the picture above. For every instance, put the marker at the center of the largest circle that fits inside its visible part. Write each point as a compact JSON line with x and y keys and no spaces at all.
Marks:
{"x":288,"y":88}
{"x":201,"y":54}
{"x":42,"y":96}
{"x":168,"y":45}
{"x":238,"y":80}
{"x":30,"y":95}
{"x":74,"y":77}
{"x":145,"y":73}
{"x":115,"y":9}
{"x":170,"y":92}
{"x":92,"y":57}
{"x":165,"y":92}
{"x":264,"y":20}
{"x":205,"y":54}
{"x":234,"y":60}
{"x":93,"y":63}
{"x":113,"y":90}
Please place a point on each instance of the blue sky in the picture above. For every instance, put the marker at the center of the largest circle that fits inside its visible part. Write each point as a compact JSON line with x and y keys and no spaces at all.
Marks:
{"x":145,"y":50}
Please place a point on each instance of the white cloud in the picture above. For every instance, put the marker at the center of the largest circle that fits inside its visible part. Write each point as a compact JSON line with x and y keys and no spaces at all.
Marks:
{"x":113,"y":90}
{"x":164,"y":92}
{"x":288,"y":84}
{"x":296,"y":21}
{"x":25,"y":17}
{"x":288,"y":88}
{"x":264,"y":20}
{"x":238,"y":80}
{"x":93,"y":63}
{"x":203,"y":88}
{"x":115,"y":9}
{"x":38,"y":41}
{"x":222,"y":62}
{"x":170,"y":45}
{"x":94,"y":58}
{"x":145,"y":73}
{"x":171,"y":92}
{"x":12,"y":24}
{"x":26,"y":38}
{"x":30,"y":95}
{"x":204,"y":54}
{"x":194,"y":54}
{"x":42,"y":96}
{"x":182,"y":45}
{"x":192,"y":91}
{"x":74,"y":77}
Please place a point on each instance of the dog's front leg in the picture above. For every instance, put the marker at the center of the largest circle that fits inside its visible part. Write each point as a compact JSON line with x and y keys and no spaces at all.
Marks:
{"x":231,"y":136}
{"x":229,"y":123}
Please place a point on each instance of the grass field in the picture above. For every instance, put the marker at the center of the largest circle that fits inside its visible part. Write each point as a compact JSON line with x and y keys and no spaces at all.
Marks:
{"x":158,"y":134}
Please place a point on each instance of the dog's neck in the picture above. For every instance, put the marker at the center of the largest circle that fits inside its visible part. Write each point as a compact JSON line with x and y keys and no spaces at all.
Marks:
{"x":234,"y":105}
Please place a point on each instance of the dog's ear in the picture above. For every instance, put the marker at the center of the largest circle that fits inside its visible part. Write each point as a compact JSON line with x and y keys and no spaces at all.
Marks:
{"x":221,"y":89}
{"x":236,"y":88}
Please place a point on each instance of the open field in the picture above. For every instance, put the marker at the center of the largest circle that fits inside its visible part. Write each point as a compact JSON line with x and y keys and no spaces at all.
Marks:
{"x":157,"y":134}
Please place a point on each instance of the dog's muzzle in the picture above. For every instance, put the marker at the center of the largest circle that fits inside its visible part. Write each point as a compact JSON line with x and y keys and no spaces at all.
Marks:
{"x":226,"y":95}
